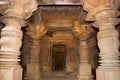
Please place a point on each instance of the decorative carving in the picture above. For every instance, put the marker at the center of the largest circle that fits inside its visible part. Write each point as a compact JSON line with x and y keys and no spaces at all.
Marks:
{"x":11,"y":41}
{"x":36,"y":31}
{"x":94,"y":6}
{"x":104,"y":13}
{"x":82,"y":32}
{"x":21,"y":9}
{"x":11,"y":37}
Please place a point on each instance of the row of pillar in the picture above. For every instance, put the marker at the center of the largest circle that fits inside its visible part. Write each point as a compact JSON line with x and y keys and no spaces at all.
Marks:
{"x":108,"y":42}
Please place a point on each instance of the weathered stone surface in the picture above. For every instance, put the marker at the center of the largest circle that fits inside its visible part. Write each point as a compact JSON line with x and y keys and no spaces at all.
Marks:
{"x":13,"y":17}
{"x":36,"y":31}
{"x":105,"y":16}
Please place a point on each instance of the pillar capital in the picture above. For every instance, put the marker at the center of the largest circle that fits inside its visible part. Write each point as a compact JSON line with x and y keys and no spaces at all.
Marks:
{"x":83,"y":32}
{"x":36,"y":31}
{"x":102,"y":7}
{"x":12,"y":20}
{"x":110,"y":22}
{"x":19,"y":8}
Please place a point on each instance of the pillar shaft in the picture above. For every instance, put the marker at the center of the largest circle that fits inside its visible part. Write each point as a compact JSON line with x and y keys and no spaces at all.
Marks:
{"x":35,"y":32}
{"x":33,"y":67}
{"x":84,"y":66}
{"x":11,"y":41}
{"x":108,"y":42}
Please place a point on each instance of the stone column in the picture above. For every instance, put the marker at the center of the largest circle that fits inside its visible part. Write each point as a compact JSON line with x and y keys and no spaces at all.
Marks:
{"x":83,"y":32}
{"x":85,"y":68}
{"x":33,"y":67}
{"x":108,"y":42}
{"x":35,"y":31}
{"x":10,"y":42}
{"x":104,"y":13}
{"x":11,"y":36}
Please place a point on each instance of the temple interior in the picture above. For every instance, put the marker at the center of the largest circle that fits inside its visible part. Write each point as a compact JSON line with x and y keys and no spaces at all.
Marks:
{"x":60,"y":40}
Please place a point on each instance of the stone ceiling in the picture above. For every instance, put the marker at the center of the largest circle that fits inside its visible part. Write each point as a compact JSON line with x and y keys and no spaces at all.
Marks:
{"x":59,"y":17}
{"x":68,"y":2}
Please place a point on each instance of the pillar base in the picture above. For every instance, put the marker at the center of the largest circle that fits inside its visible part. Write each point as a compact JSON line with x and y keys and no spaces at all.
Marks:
{"x":108,"y":73}
{"x":85,"y":77}
{"x":32,"y":77}
{"x":13,"y":73}
{"x":85,"y":72}
{"x":33,"y":72}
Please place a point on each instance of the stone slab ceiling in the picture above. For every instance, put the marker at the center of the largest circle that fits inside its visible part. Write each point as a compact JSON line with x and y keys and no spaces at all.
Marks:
{"x":57,"y":2}
{"x":60,"y":16}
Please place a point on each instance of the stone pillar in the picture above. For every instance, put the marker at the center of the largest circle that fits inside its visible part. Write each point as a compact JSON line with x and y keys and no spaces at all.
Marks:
{"x":83,"y":32}
{"x":33,"y":67}
{"x":105,"y":13}
{"x":85,"y":68}
{"x":11,"y":36}
{"x":3,"y":2}
{"x":108,"y":42}
{"x":10,"y":42}
{"x":35,"y":31}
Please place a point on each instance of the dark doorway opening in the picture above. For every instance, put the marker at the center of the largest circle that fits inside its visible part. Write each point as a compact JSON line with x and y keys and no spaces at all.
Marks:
{"x":58,"y":57}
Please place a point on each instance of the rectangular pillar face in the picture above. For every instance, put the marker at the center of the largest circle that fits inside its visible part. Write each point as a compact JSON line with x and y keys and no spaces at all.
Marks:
{"x":58,"y":57}
{"x":11,"y":74}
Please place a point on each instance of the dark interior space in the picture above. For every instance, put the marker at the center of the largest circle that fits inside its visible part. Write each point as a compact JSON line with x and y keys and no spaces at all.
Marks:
{"x":58,"y":57}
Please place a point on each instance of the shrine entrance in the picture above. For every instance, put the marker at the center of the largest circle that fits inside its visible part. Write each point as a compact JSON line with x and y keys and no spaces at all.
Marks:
{"x":58,"y":57}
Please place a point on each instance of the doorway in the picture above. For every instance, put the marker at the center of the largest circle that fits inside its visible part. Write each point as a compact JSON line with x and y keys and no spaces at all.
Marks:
{"x":58,"y":57}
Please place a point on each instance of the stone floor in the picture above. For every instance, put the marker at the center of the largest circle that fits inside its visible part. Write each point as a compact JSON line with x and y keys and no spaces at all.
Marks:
{"x":59,"y":78}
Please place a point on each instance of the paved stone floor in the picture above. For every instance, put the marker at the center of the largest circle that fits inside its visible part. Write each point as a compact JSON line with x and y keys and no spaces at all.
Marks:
{"x":59,"y":78}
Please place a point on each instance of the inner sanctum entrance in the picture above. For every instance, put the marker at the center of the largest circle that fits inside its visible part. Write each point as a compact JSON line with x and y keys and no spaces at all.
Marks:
{"x":58,"y":57}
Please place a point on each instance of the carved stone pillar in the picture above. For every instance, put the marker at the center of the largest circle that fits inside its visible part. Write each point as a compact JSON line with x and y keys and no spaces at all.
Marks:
{"x":108,"y":42}
{"x":105,"y":17}
{"x":14,"y":15}
{"x":10,"y":42}
{"x":35,"y":32}
{"x":85,"y":68}
{"x":33,"y":67}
